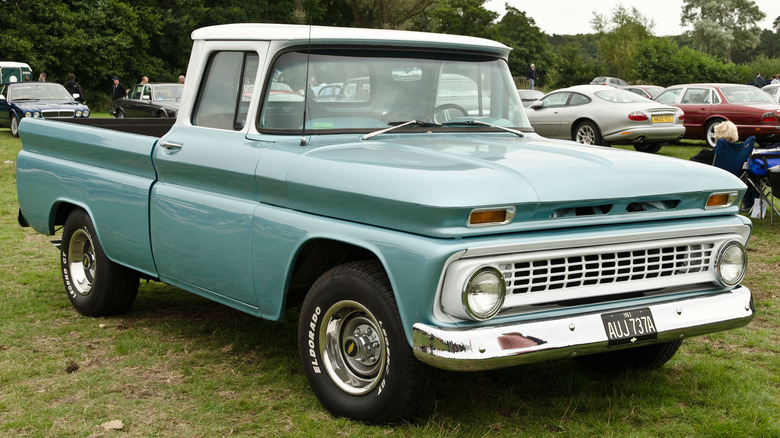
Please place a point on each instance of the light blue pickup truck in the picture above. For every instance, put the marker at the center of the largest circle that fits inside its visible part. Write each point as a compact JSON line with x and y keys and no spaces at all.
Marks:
{"x":414,"y":211}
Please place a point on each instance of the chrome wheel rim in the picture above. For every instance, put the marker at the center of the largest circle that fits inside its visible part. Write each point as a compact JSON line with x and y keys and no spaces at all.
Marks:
{"x":711,"y":134}
{"x":14,"y":125}
{"x":82,"y":262}
{"x":586,"y":135}
{"x":352,"y":347}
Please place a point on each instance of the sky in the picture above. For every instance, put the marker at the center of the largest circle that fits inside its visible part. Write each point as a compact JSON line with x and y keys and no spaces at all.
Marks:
{"x":571,"y":17}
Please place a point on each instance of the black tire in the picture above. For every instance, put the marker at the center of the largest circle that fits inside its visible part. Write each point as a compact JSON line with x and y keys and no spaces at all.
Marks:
{"x":349,"y":329}
{"x":120,"y":114}
{"x":14,"y":125}
{"x":709,"y":132}
{"x":95,"y":285}
{"x":587,"y":133}
{"x":650,"y":148}
{"x":445,"y":113}
{"x":162,"y":115}
{"x":646,"y":357}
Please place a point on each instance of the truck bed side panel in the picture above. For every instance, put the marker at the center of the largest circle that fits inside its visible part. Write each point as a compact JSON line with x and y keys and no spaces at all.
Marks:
{"x":108,"y":173}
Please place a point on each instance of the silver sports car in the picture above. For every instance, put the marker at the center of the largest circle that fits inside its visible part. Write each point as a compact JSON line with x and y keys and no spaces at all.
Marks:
{"x":594,"y":114}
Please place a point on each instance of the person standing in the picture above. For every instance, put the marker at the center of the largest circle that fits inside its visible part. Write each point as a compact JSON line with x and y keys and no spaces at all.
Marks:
{"x":532,"y":76}
{"x":181,"y":78}
{"x":74,"y":88}
{"x":42,"y":77}
{"x":759,"y":82}
{"x":118,"y":91}
{"x":144,"y":80}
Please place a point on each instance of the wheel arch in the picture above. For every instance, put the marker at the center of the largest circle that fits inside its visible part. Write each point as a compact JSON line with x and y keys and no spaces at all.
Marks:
{"x":575,"y":124}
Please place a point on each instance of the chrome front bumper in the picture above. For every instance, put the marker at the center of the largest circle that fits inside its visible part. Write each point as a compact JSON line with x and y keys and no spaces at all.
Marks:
{"x":466,"y":349}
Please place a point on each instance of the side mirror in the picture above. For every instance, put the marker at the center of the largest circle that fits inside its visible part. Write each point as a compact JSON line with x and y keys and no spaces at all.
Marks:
{"x":537,"y":104}
{"x":76,"y":95}
{"x":2,"y":97}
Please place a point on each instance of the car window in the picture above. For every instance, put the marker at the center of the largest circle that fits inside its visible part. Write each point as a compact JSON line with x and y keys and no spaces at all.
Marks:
{"x":669,"y":96}
{"x":745,"y":94}
{"x":554,"y":100}
{"x":619,"y":96}
{"x":147,"y":93}
{"x":38,"y":91}
{"x":695,"y":96}
{"x":772,"y":91}
{"x":578,"y":99}
{"x":227,"y":84}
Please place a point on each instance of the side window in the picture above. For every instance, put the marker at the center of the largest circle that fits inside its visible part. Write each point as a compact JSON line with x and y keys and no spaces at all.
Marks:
{"x":578,"y":99}
{"x":555,"y":100}
{"x":695,"y":96}
{"x":669,"y":96}
{"x":135,"y":93}
{"x":226,"y":90}
{"x":147,"y":93}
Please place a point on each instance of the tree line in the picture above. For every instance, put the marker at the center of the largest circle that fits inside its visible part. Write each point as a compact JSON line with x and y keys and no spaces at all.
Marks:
{"x":97,"y":40}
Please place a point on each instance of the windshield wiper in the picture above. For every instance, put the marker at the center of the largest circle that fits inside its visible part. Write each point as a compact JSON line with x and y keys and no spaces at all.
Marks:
{"x":396,"y":125}
{"x":481,"y":123}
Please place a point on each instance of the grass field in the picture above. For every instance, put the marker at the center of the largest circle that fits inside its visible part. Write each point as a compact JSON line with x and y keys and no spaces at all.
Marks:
{"x":179,"y":365}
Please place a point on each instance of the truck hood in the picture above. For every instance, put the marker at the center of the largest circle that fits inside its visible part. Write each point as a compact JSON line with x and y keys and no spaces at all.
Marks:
{"x":429,"y":183}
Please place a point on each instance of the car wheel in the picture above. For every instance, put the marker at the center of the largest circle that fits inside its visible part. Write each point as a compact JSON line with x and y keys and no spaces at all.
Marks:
{"x":709,"y":132}
{"x":587,"y":133}
{"x":120,"y":114}
{"x":646,"y":357}
{"x":445,"y":113}
{"x":161,"y":115}
{"x":14,"y":125}
{"x":349,"y":329}
{"x":96,"y":286}
{"x":650,"y":148}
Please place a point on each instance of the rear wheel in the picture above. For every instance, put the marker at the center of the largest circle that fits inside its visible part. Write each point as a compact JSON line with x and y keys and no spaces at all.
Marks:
{"x":647,"y":357}
{"x":96,"y":286}
{"x":348,"y":331}
{"x":650,"y":148}
{"x":161,"y":115}
{"x":14,"y":125}
{"x":709,"y":132}
{"x":587,"y":133}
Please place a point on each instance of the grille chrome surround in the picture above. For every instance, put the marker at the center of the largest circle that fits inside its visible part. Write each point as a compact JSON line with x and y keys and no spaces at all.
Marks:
{"x":53,"y":114}
{"x":545,"y":277}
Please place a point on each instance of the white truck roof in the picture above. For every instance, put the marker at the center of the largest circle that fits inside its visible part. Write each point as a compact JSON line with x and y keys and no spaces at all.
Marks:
{"x":320,"y":35}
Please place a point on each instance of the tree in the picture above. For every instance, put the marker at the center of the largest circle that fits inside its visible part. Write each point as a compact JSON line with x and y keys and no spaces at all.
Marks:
{"x":529,"y":45}
{"x":620,"y":37}
{"x":722,"y":26}
{"x":459,"y":17}
{"x":388,"y":14}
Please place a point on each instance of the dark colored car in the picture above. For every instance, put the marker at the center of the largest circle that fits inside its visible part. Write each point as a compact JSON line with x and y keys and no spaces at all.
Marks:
{"x":46,"y":100}
{"x":149,"y":100}
{"x":706,"y":105}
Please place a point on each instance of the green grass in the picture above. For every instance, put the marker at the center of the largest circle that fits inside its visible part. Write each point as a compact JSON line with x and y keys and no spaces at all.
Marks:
{"x":179,"y":365}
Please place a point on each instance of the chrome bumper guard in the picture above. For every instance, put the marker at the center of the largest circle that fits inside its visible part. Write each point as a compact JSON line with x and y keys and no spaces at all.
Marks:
{"x":482,"y":348}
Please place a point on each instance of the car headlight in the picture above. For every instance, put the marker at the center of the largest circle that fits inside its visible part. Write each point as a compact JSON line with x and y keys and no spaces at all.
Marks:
{"x":85,"y":113}
{"x":483,"y":294}
{"x":36,"y":114}
{"x":731,"y":263}
{"x":78,"y":113}
{"x":27,"y":114}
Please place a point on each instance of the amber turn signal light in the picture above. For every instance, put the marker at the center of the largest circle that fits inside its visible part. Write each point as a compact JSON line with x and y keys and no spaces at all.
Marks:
{"x":491,"y":216}
{"x":721,"y":200}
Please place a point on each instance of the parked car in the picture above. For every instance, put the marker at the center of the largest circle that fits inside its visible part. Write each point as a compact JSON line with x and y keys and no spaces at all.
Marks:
{"x":606,"y":80}
{"x":593,"y":114}
{"x":36,"y":99}
{"x":529,"y":96}
{"x":149,"y":100}
{"x":329,"y":91}
{"x":706,"y":105}
{"x":647,"y":91}
{"x":772,"y":90}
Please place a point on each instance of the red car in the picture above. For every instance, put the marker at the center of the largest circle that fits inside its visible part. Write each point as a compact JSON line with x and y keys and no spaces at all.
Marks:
{"x":706,"y":105}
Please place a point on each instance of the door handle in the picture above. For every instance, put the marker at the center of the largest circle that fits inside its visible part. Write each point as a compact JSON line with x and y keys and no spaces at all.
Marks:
{"x":171,"y":146}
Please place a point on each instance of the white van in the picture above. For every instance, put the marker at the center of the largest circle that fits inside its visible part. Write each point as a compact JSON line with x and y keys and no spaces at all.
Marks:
{"x":14,"y":72}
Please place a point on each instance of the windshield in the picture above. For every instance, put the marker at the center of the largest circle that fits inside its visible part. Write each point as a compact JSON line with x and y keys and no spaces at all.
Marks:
{"x":620,"y":96}
{"x":745,"y":95}
{"x":168,"y":92}
{"x":38,"y":91}
{"x":355,"y":89}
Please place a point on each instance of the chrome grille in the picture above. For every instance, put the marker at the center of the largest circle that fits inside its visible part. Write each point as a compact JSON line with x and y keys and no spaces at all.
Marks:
{"x":57,"y":114}
{"x":606,"y":268}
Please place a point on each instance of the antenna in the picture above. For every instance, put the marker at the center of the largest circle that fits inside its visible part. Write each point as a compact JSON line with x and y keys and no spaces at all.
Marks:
{"x":306,"y":94}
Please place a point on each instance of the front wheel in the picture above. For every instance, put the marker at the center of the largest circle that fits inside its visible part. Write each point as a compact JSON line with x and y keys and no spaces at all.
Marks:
{"x":14,"y":125}
{"x":646,"y":357}
{"x":120,"y":114}
{"x":587,"y":133}
{"x":353,"y":348}
{"x":96,"y":286}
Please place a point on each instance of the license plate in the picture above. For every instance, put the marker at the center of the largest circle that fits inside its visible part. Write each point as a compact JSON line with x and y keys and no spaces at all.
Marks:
{"x":663,"y":119}
{"x":629,"y":327}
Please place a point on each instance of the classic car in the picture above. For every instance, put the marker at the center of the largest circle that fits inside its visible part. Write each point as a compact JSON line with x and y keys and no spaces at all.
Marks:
{"x":606,"y":80}
{"x":36,"y":99}
{"x":149,"y":100}
{"x":706,"y":105}
{"x":594,"y":114}
{"x":14,"y":71}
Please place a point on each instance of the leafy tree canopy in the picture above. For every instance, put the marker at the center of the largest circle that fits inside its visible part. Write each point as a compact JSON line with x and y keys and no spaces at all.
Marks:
{"x":722,"y":26}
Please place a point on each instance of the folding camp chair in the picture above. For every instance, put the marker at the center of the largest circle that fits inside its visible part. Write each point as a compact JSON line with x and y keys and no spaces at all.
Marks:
{"x":757,"y":175}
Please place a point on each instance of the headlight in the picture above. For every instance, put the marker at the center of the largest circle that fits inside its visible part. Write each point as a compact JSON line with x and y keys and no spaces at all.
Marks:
{"x":85,"y":113}
{"x":36,"y":114}
{"x":27,"y":114}
{"x":731,"y":263}
{"x":78,"y":113}
{"x":484,"y":293}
